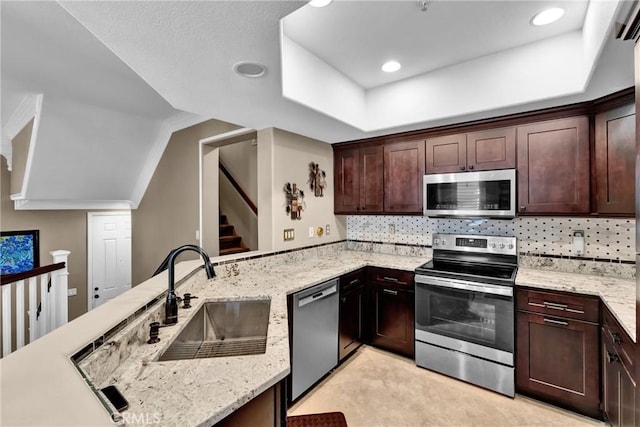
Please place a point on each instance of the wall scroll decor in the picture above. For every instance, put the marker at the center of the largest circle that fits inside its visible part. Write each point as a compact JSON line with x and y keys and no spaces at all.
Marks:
{"x":317,"y":179}
{"x":295,"y":200}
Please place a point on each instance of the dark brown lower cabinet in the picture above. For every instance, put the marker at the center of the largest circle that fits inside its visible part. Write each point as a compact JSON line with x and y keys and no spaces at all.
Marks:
{"x":618,"y":379}
{"x":268,"y":409}
{"x":557,"y":360}
{"x":352,"y":293}
{"x":392,"y":319}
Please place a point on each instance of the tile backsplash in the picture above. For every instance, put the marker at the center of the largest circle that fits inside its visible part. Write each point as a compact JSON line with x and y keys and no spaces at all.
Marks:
{"x":605,"y":238}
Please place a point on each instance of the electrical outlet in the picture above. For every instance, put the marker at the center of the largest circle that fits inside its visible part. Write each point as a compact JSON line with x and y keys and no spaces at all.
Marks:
{"x":392,"y":229}
{"x":327,"y":230}
{"x":72,"y":292}
{"x":312,"y":232}
{"x":578,"y":242}
{"x":197,"y":234}
{"x":288,"y":234}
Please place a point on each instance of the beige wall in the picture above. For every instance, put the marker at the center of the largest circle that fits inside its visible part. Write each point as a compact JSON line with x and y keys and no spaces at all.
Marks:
{"x":58,"y":230}
{"x":286,"y":158}
{"x":168,"y":215}
{"x":19,"y":152}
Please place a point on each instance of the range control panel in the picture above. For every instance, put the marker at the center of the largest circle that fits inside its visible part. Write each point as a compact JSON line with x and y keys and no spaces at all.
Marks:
{"x":474,"y":243}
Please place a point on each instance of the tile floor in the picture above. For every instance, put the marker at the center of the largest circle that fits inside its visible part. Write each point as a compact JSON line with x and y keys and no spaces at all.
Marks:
{"x":376,"y":388}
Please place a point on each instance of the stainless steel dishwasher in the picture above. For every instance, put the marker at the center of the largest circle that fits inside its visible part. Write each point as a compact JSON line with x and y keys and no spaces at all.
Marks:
{"x":315,"y":335}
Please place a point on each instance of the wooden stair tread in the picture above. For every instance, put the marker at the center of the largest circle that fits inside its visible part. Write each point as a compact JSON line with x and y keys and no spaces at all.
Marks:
{"x":230,"y":251}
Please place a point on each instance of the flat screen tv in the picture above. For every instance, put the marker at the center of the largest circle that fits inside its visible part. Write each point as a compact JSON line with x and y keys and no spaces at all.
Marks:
{"x":19,"y":251}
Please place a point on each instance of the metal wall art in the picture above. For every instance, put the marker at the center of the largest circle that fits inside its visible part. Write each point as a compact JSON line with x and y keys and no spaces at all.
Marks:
{"x":317,"y":179}
{"x":295,"y":200}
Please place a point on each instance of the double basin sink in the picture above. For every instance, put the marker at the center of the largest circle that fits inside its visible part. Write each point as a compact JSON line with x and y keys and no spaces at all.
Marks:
{"x":222,"y":328}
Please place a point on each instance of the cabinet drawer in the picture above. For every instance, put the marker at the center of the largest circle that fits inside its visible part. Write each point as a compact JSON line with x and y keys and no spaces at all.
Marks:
{"x":391,"y":278}
{"x":620,"y":341}
{"x":352,"y":280}
{"x":566,"y":305}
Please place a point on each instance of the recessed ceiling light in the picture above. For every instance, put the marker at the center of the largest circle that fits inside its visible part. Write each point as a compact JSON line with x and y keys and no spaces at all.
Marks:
{"x":249,"y":69}
{"x":391,"y":66}
{"x":547,"y":16}
{"x":319,"y":3}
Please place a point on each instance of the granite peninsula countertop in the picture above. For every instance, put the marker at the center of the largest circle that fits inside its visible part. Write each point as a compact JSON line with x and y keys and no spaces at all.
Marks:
{"x":619,"y":295}
{"x":46,"y":389}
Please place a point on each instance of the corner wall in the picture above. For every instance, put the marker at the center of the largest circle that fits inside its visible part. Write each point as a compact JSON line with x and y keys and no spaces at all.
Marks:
{"x":289,"y":156}
{"x":169,"y":214}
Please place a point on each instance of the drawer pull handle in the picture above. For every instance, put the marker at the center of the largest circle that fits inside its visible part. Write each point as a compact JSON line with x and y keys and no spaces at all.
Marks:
{"x":393,"y":280}
{"x":571,"y":310}
{"x":556,"y":322}
{"x":555,"y":306}
{"x":390,"y":291}
{"x":354,"y":281}
{"x":535,"y":304}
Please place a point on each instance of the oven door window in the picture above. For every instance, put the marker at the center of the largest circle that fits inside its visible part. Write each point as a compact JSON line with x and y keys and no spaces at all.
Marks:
{"x":476,"y":317}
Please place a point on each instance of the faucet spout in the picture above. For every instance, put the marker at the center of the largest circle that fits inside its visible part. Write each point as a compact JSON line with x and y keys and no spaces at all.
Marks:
{"x":171,"y":306}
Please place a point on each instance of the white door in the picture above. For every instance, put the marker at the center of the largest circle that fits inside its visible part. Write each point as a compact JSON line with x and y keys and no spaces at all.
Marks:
{"x":109,"y":256}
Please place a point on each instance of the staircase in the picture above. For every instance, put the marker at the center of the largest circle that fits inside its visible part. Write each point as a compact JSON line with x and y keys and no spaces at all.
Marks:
{"x":230,"y":242}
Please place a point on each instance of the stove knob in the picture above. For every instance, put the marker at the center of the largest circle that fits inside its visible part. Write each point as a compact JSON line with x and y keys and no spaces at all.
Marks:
{"x":501,"y":245}
{"x":443,"y":242}
{"x":510,"y":246}
{"x":436,"y":241}
{"x":493,"y":246}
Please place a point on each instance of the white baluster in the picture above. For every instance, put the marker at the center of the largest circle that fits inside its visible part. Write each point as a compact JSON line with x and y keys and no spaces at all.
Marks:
{"x":60,"y":280}
{"x":6,"y":319}
{"x":33,"y":308}
{"x":43,"y":319}
{"x":19,"y":314}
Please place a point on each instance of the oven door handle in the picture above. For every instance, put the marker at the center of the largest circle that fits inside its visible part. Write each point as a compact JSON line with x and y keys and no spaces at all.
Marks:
{"x":465,"y":285}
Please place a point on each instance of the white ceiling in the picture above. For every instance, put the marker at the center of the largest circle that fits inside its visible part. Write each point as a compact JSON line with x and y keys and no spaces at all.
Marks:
{"x":116,"y":76}
{"x":357,"y":37}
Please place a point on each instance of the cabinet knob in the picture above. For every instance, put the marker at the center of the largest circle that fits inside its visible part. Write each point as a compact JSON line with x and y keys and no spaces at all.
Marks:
{"x":357,"y":208}
{"x":523,"y":208}
{"x":96,"y":296}
{"x":462,"y":168}
{"x":470,"y":167}
{"x":612,"y":357}
{"x":616,"y":338}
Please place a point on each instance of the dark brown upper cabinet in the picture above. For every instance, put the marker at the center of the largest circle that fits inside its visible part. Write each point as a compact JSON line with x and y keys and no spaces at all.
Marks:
{"x":358,"y":179}
{"x":477,"y":151}
{"x":615,"y":151}
{"x":403,"y":173}
{"x":553,"y":166}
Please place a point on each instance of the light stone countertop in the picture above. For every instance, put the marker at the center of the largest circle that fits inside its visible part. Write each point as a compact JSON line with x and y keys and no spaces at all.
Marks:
{"x":202,"y":392}
{"x":46,"y":389}
{"x":618,"y":294}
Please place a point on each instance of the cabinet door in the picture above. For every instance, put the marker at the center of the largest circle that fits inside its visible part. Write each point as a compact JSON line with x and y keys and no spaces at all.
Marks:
{"x":615,"y":153}
{"x":553,"y":166}
{"x":392,"y":324}
{"x":347,"y":180}
{"x":627,"y":398}
{"x":446,"y":154}
{"x":403,"y":174}
{"x":351,"y":307}
{"x":491,"y":149}
{"x":610,"y":382}
{"x":371,"y":179}
{"x":557,"y":360}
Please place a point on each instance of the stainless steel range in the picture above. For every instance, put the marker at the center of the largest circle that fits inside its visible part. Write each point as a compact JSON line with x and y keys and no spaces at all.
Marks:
{"x":465,"y":310}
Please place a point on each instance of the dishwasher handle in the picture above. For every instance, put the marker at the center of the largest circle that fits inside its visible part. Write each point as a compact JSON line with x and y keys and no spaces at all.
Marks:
{"x":318,"y":295}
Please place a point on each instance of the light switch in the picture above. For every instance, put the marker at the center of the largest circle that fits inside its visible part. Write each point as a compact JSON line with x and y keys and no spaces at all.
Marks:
{"x":327,"y":230}
{"x":288,"y":234}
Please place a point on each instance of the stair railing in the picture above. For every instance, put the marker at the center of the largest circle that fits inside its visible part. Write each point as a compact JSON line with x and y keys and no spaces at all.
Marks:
{"x":239,"y":189}
{"x":46,"y":294}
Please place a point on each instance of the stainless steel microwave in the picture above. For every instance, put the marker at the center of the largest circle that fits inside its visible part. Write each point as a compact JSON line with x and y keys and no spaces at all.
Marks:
{"x":486,"y":194}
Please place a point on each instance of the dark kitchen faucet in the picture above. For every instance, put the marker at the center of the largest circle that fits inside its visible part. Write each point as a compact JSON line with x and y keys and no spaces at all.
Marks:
{"x":171,"y":306}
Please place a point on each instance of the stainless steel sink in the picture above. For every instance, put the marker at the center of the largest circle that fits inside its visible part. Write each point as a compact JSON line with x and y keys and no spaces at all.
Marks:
{"x":223,"y":328}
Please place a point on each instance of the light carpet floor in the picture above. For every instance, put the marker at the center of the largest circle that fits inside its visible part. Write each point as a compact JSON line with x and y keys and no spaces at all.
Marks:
{"x":376,"y":388}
